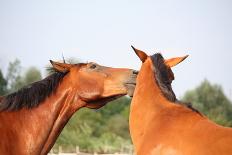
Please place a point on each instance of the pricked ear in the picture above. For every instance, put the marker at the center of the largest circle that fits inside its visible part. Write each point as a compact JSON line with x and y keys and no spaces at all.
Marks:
{"x":142,"y":55}
{"x":61,"y":67}
{"x":175,"y":61}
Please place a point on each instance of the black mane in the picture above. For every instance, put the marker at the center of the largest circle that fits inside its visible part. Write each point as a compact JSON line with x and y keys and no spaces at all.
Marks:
{"x":32,"y":95}
{"x":162,"y":76}
{"x":163,"y":80}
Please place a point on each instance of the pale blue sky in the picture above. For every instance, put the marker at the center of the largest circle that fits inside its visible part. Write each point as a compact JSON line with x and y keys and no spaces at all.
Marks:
{"x":103,"y":30}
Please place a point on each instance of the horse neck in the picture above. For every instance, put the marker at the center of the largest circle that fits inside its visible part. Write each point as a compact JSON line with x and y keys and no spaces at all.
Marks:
{"x":148,"y":100}
{"x":69,"y":105}
{"x":147,"y":93}
{"x":47,"y":120}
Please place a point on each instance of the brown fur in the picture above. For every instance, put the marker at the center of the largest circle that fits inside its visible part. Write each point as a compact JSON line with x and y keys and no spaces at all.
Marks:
{"x":33,"y":126}
{"x":158,"y":126}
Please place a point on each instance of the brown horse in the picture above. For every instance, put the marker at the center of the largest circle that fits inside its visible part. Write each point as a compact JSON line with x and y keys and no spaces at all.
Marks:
{"x":161,"y":125}
{"x":32,"y":118}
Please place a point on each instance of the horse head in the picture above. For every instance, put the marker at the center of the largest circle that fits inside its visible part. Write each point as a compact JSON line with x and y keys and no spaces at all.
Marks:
{"x":95,"y":84}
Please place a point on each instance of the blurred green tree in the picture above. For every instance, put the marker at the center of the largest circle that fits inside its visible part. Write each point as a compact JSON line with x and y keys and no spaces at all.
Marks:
{"x":32,"y":75}
{"x":14,"y":76}
{"x":211,"y":101}
{"x":3,"y":84}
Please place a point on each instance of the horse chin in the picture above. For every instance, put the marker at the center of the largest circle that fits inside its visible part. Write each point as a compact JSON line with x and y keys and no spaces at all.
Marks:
{"x":96,"y":104}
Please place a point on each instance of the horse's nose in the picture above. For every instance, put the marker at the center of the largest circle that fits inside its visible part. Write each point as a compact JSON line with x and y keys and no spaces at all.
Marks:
{"x":135,"y":72}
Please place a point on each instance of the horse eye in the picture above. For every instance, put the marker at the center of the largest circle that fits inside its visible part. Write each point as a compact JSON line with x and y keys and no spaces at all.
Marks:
{"x":93,"y":66}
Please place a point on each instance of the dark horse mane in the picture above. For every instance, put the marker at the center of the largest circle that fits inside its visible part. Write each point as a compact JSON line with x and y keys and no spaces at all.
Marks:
{"x":31,"y":95}
{"x":162,"y":77}
{"x":163,"y":80}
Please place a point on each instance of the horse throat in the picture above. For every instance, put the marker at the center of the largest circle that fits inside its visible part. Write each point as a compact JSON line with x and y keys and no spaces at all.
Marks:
{"x":71,"y":103}
{"x":147,"y":102}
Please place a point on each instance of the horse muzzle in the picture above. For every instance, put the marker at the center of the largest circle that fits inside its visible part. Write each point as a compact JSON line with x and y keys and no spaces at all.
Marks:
{"x":131,"y":83}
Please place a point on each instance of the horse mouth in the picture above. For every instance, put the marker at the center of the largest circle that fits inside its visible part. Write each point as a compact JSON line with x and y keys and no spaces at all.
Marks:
{"x":130,"y":86}
{"x":98,"y":103}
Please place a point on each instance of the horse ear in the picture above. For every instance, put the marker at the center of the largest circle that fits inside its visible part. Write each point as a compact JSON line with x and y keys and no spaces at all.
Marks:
{"x":142,"y":55}
{"x":61,"y":67}
{"x":174,"y":61}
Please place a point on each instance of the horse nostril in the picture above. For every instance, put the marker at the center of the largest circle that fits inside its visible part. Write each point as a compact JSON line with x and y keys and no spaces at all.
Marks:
{"x":135,"y":72}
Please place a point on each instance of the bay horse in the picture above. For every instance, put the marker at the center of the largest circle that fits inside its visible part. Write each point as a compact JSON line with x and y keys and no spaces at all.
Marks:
{"x":32,"y":118}
{"x":162,"y":125}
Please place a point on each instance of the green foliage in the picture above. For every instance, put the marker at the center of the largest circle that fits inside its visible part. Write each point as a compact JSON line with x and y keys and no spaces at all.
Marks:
{"x":3,"y":84}
{"x":211,"y":101}
{"x":13,"y":76}
{"x":32,"y":75}
{"x":103,"y":130}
